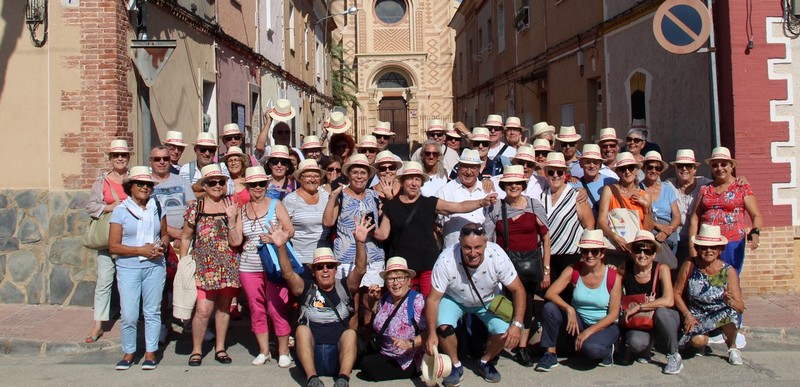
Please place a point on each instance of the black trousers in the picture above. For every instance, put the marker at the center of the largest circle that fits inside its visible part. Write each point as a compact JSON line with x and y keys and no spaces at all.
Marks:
{"x":378,"y":368}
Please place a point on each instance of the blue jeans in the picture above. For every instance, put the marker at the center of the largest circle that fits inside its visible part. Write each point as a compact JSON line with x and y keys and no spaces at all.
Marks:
{"x":145,"y":285}
{"x":554,"y":322}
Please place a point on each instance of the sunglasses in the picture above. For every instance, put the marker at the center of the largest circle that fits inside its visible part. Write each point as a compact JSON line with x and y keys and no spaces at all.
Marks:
{"x":634,"y":140}
{"x":514,"y":183}
{"x":381,"y":137}
{"x":436,"y":134}
{"x":654,"y":167}
{"x":472,"y":229}
{"x":368,"y":150}
{"x":568,"y":144}
{"x":627,"y":168}
{"x":479,"y":144}
{"x":701,"y":247}
{"x":274,"y":162}
{"x":593,"y":252}
{"x":159,"y":159}
{"x":385,"y":168}
{"x":431,"y":154}
{"x":207,"y":150}
{"x":259,"y":184}
{"x":608,"y":145}
{"x":685,"y":166}
{"x":720,"y":164}
{"x":553,"y":172}
{"x":232,"y":137}
{"x":214,"y":183}
{"x":144,"y":184}
{"x":323,"y":266}
{"x":453,"y":138}
{"x":644,"y":249}
{"x":495,"y":128}
{"x":118,"y":155}
{"x":332,"y":169}
{"x":525,"y":163}
{"x":541,"y":153}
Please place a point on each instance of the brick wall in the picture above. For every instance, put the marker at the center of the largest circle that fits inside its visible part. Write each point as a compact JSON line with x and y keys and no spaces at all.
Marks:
{"x":104,"y":100}
{"x":773,"y":267}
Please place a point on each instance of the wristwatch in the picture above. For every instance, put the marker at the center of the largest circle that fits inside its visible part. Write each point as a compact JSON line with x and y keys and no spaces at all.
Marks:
{"x":517,"y":324}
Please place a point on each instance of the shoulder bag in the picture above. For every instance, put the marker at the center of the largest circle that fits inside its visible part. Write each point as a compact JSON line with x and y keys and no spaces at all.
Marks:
{"x":642,"y":320}
{"x":500,"y":306}
{"x":96,"y":235}
{"x":269,"y":255}
{"x":527,"y":263}
{"x":622,"y":221}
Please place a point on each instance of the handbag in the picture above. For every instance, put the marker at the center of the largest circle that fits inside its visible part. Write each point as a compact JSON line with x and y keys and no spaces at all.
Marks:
{"x":96,"y":235}
{"x":642,"y":320}
{"x":528,"y":264}
{"x":500,"y":306}
{"x":269,"y":256}
{"x":622,"y":221}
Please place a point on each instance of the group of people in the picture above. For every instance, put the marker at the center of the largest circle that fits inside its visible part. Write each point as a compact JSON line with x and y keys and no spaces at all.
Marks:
{"x":386,"y":259}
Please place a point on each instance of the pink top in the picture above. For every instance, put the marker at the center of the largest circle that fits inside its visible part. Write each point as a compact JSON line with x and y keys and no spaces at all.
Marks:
{"x":242,"y":197}
{"x":400,"y":327}
{"x":107,"y":196}
{"x":725,"y":209}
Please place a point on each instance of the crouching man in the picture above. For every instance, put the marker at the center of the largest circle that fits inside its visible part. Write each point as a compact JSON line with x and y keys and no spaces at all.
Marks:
{"x":465,"y":279}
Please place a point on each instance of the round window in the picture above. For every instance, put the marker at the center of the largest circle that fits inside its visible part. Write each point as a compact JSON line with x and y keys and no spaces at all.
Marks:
{"x":390,"y":11}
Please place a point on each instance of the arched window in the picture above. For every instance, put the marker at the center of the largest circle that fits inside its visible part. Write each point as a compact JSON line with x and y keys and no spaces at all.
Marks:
{"x":638,"y":89}
{"x":392,"y":80}
{"x":390,"y":11}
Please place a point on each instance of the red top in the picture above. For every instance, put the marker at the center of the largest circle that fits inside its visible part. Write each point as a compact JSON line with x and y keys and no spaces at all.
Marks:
{"x":725,"y":209}
{"x":117,"y":187}
{"x":523,"y":232}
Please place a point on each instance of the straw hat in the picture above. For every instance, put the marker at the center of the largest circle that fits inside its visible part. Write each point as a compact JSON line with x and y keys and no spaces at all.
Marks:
{"x":513,"y":122}
{"x":525,"y":153}
{"x":513,"y":173}
{"x":709,"y":235}
{"x":567,"y":134}
{"x":493,"y":120}
{"x":721,"y":153}
{"x":233,"y":151}
{"x":338,"y":123}
{"x":435,"y":366}
{"x":368,"y":141}
{"x":592,"y":239}
{"x":470,"y":156}
{"x":625,"y":158}
{"x":607,"y":134}
{"x":448,"y":126}
{"x":412,"y":168}
{"x":685,"y":156}
{"x":139,"y":173}
{"x":541,"y":128}
{"x":435,"y":126}
{"x":283,"y":111}
{"x":555,"y":160}
{"x":387,"y":157}
{"x":382,"y":129}
{"x":230,"y":130}
{"x":255,"y":174}
{"x":591,"y":152}
{"x":655,"y":156}
{"x":311,"y":142}
{"x":644,"y":236}
{"x":174,"y":137}
{"x":397,"y":263}
{"x":541,"y":144}
{"x":119,"y":146}
{"x":211,"y":170}
{"x":358,"y":160}
{"x":279,"y":152}
{"x":451,"y":131}
{"x":480,"y":134}
{"x":324,"y":255}
{"x":305,"y":166}
{"x":205,"y":139}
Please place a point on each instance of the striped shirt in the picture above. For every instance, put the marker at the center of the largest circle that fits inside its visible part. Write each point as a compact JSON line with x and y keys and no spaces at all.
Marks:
{"x":562,"y":218}
{"x":307,"y":221}
{"x":250,"y":261}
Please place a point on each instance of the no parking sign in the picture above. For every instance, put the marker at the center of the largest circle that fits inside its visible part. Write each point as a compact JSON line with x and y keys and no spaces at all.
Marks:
{"x":682,"y":26}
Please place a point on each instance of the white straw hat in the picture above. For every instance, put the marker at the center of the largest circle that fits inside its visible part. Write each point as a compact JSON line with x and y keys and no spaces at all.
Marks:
{"x":513,"y":173}
{"x":541,"y":128}
{"x":139,"y":173}
{"x":721,"y":153}
{"x":119,"y":146}
{"x":567,"y":134}
{"x":174,"y":137}
{"x":434,"y":367}
{"x":382,"y":128}
{"x":493,"y":120}
{"x":480,"y":134}
{"x":231,"y":130}
{"x":591,"y":152}
{"x":205,"y":139}
{"x":592,"y":239}
{"x":607,"y":134}
{"x":283,"y":111}
{"x":338,"y":123}
{"x":513,"y":122}
{"x":255,"y":174}
{"x":305,"y":166}
{"x":685,"y":156}
{"x":709,"y":235}
{"x":525,"y":153}
{"x":654,"y":156}
{"x":311,"y":142}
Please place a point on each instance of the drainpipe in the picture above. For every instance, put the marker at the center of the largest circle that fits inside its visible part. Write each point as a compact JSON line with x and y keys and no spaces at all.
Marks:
{"x":712,"y":68}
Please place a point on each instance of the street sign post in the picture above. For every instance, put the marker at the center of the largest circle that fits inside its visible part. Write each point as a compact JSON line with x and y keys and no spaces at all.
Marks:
{"x":682,"y":26}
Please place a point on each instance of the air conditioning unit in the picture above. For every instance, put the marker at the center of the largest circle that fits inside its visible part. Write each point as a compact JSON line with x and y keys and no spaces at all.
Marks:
{"x":522,"y":20}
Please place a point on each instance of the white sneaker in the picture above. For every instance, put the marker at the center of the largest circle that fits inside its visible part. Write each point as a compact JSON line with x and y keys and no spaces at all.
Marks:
{"x":261,"y":359}
{"x":284,"y":361}
{"x":734,"y":356}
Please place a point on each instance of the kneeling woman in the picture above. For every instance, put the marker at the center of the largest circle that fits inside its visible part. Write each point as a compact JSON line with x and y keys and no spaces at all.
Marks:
{"x":399,"y":321}
{"x":592,"y":316}
{"x":641,"y":275}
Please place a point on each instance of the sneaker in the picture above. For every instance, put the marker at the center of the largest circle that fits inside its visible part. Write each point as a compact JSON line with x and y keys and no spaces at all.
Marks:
{"x":547,"y":362}
{"x":123,"y":365}
{"x":341,"y":382}
{"x":209,"y":335}
{"x":717,"y":339}
{"x":284,"y":361}
{"x":162,"y":337}
{"x":455,"y":377}
{"x":523,"y":357}
{"x":291,"y":341}
{"x":315,"y":381}
{"x":608,"y":361}
{"x":674,"y":364}
{"x":643,"y":359}
{"x":149,"y":365}
{"x":734,"y":356}
{"x":261,"y":359}
{"x":489,"y":372}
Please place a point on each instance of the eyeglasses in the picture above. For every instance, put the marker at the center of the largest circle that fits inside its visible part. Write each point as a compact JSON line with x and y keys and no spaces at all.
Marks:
{"x":309,"y":176}
{"x":118,"y":155}
{"x":274,"y":162}
{"x":159,"y":159}
{"x":232,"y":137}
{"x":524,"y":163}
{"x":685,"y":166}
{"x":323,"y":266}
{"x":495,"y":128}
{"x":591,"y":161}
{"x":430,"y":154}
{"x":259,"y":184}
{"x":472,"y":229}
{"x":144,"y":184}
{"x":382,"y":137}
{"x":654,"y":167}
{"x":213,"y":183}
{"x":627,"y":168}
{"x":593,"y":252}
{"x":385,"y":168}
{"x":332,"y":169}
{"x":634,"y":140}
{"x":568,"y":144}
{"x":553,"y":172}
{"x":234,"y":160}
{"x":479,"y":144}
{"x":644,"y":249}
{"x":207,"y":150}
{"x":436,"y":134}
{"x":722,"y":164}
{"x":396,"y":279}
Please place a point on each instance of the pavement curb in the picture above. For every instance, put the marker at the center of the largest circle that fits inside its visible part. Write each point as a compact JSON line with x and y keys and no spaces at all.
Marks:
{"x":782,"y":335}
{"x":25,"y":347}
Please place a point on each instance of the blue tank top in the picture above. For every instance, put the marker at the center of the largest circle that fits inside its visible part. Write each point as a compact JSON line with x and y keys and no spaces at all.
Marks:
{"x":591,"y":304}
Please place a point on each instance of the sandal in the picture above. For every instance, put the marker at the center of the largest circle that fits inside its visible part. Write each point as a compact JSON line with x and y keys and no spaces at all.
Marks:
{"x":224,"y":358}
{"x":196,"y":359}
{"x":93,"y":339}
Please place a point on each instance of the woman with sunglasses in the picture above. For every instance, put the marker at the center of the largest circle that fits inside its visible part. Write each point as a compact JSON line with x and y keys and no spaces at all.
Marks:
{"x":237,"y":162}
{"x":519,"y":224}
{"x":434,"y":168}
{"x":567,"y":217}
{"x":386,"y":185}
{"x":633,"y":198}
{"x":107,"y":192}
{"x":264,"y":297}
{"x":212,"y":226}
{"x":638,"y":275}
{"x":280,"y":169}
{"x":332,"y":169}
{"x":592,"y":314}
{"x":707,"y":295}
{"x":137,"y":236}
{"x":723,"y":203}
{"x":665,"y":207}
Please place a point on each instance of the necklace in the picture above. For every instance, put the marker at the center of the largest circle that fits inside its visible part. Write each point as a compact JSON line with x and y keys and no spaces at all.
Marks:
{"x":628,"y":191}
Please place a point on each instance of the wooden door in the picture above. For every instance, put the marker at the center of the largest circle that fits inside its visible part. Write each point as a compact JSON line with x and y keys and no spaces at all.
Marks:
{"x":394,"y":111}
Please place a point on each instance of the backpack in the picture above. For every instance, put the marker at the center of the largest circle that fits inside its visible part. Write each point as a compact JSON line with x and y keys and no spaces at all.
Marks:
{"x":341,"y":291}
{"x":576,"y":273}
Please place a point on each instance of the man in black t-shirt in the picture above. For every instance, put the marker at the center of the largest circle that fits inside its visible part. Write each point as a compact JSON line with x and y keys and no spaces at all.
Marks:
{"x":326,"y":345}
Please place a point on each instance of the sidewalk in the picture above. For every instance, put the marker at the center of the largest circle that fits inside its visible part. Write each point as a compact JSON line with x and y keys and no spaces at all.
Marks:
{"x":48,"y":329}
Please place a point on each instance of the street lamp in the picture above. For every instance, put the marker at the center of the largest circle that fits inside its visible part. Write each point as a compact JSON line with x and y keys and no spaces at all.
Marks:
{"x":349,"y":11}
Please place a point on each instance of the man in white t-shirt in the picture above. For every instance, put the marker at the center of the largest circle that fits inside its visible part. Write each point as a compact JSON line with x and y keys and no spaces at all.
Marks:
{"x":465,"y":280}
{"x":465,"y":187}
{"x":498,"y":148}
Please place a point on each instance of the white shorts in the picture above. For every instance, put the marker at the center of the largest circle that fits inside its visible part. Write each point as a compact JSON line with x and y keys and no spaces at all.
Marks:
{"x":372,"y":277}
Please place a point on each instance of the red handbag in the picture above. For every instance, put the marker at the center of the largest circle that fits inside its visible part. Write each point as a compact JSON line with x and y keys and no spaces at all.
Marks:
{"x":642,"y":320}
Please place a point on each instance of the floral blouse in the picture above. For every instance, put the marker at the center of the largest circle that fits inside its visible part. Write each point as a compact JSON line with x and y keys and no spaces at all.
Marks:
{"x":217,"y":264}
{"x":725,"y":209}
{"x":400,"y":327}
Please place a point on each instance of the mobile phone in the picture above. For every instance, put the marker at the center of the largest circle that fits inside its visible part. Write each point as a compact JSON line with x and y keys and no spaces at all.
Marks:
{"x":370,"y":217}
{"x":339,"y":181}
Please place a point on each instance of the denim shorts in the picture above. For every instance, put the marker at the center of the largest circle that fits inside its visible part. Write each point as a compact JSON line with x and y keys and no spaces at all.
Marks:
{"x":450,"y":312}
{"x":326,"y":359}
